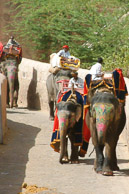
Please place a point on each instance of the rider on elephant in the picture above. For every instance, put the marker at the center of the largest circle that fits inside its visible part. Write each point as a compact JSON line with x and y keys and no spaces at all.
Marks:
{"x":55,"y":140}
{"x":120,"y":91}
{"x":77,"y":81}
{"x":55,"y":64}
{"x":12,"y":56}
{"x":12,"y":41}
{"x":96,"y":70}
{"x":13,"y":50}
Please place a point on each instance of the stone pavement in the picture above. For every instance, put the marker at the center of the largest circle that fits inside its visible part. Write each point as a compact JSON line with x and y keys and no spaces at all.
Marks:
{"x":26,"y":157}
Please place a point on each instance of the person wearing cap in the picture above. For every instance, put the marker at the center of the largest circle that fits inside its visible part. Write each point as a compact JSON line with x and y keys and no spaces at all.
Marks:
{"x":55,"y":59}
{"x":64,"y":52}
{"x":96,"y":70}
{"x":77,"y":81}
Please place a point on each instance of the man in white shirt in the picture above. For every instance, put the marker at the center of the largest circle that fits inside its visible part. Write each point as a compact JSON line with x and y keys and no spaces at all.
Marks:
{"x":55,"y":59}
{"x":96,"y":70}
{"x":64,"y":52}
{"x":77,"y":81}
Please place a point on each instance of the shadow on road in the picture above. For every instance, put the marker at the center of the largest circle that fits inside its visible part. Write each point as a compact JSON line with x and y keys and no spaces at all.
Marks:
{"x":87,"y":161}
{"x":121,"y":161}
{"x":122,"y":172}
{"x":33,"y":99}
{"x":14,"y":155}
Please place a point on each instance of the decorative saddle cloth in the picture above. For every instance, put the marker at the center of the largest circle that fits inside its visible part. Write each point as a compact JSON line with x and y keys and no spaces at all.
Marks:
{"x":70,"y":63}
{"x":55,"y":140}
{"x":117,"y":83}
{"x":83,"y":133}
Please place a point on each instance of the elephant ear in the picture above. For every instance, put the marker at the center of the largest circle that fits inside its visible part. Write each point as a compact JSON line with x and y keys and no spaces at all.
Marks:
{"x":78,"y":112}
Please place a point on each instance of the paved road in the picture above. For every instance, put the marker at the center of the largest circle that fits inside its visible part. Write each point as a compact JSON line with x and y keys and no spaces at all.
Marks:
{"x":26,"y":157}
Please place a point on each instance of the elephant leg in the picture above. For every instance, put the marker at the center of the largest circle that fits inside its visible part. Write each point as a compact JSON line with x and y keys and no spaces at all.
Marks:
{"x":11,"y":75}
{"x":107,"y":171}
{"x":113,"y":164}
{"x":65,"y":158}
{"x":98,"y":163}
{"x":15,"y":98}
{"x":113,"y":158}
{"x":11,"y":92}
{"x":74,"y":149}
{"x":63,"y":147}
{"x":114,"y":139}
{"x":16,"y":89}
{"x":51,"y":108}
{"x":8,"y":95}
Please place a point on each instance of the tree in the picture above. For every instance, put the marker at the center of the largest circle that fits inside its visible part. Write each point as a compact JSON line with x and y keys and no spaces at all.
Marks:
{"x":90,"y":28}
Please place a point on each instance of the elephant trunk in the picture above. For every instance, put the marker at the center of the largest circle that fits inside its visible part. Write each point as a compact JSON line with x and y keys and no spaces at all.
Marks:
{"x":11,"y":74}
{"x":62,"y":145}
{"x":63,"y":126}
{"x":101,"y":131}
{"x":104,"y":115}
{"x":11,"y":93}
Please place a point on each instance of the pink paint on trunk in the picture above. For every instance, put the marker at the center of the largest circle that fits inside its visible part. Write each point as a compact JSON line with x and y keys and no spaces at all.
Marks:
{"x":101,"y":127}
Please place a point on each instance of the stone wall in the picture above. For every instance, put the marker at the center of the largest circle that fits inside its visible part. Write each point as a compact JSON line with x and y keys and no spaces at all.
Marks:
{"x":32,"y":77}
{"x":33,"y":92}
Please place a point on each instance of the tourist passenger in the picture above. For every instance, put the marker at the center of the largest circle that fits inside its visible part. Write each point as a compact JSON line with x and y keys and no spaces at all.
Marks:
{"x":96,"y":70}
{"x":77,"y":81}
{"x":12,"y":41}
{"x":55,"y":59}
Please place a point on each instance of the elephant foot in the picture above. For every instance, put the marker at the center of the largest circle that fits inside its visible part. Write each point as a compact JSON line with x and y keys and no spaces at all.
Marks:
{"x":7,"y":106}
{"x":107,"y":173}
{"x":15,"y":105}
{"x":64,"y":160}
{"x":98,"y":170}
{"x":81,"y":154}
{"x":51,"y":118}
{"x":115,"y":168}
{"x":75,"y":162}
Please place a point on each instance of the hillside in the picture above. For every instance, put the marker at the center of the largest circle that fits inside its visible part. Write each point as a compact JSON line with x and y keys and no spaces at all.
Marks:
{"x":97,"y":28}
{"x":5,"y":20}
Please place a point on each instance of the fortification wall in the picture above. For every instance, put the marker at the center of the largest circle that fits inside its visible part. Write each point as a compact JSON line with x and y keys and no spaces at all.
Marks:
{"x":32,"y":77}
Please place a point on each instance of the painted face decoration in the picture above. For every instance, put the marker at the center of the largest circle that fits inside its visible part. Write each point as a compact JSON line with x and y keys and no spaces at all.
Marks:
{"x":103,"y":114}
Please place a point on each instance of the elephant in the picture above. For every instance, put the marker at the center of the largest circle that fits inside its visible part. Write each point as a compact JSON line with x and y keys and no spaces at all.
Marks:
{"x":106,"y":119}
{"x":9,"y":68}
{"x":69,"y":115}
{"x":53,"y":88}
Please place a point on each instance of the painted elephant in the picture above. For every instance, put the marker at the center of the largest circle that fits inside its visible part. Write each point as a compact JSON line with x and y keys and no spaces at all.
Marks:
{"x":106,"y":119}
{"x":69,"y":115}
{"x":10,"y":70}
{"x":53,"y":88}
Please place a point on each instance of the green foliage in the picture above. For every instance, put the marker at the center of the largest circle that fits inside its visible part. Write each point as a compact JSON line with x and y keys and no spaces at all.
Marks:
{"x":92,"y":28}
